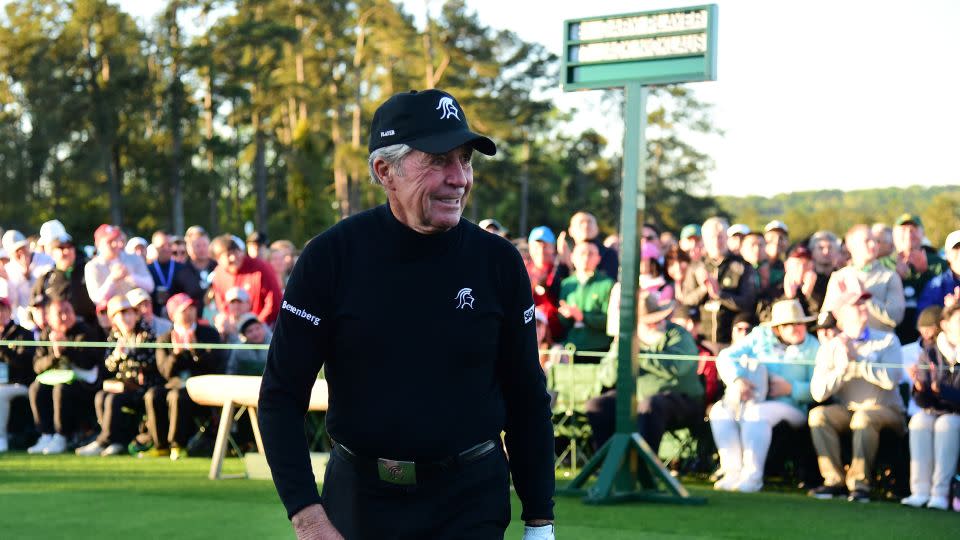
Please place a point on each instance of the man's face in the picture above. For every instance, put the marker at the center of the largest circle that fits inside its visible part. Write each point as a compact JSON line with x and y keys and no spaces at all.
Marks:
{"x":281,"y":260}
{"x":693,"y":246}
{"x":826,"y":334}
{"x":795,"y":267}
{"x":951,"y":327}
{"x":583,"y":227}
{"x":953,"y":259}
{"x":64,"y":255}
{"x":740,"y":331}
{"x":186,"y":317}
{"x":852,"y":318}
{"x":145,"y":309}
{"x":650,"y":236}
{"x":178,"y":250}
{"x":256,"y":251}
{"x":751,"y":248}
{"x":109,"y":248}
{"x":585,"y":257}
{"x":429,"y":191}
{"x":231,"y":260}
{"x":714,"y":241}
{"x":825,"y":253}
{"x":907,"y":237}
{"x":793,"y":334}
{"x":236,"y":308}
{"x":861,"y":246}
{"x":22,"y":255}
{"x":125,"y":321}
{"x":161,"y":242}
{"x":255,"y":333}
{"x":776,"y":243}
{"x":928,"y":333}
{"x":541,"y":253}
{"x":60,"y":315}
{"x":5,"y":315}
{"x":199,"y":248}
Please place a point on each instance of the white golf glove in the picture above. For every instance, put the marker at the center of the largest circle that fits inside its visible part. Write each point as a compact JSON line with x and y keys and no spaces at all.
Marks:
{"x":543,"y":532}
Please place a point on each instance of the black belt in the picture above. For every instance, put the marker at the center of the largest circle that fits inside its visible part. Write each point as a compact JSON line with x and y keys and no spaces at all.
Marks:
{"x":405,"y":473}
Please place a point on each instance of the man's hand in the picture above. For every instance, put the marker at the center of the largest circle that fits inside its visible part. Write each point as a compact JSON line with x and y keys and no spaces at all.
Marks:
{"x":118,"y":272}
{"x":903,"y":267}
{"x":779,"y":387}
{"x":746,"y":389}
{"x":312,"y":523}
{"x":951,"y":298}
{"x":570,"y":311}
{"x":563,"y":250}
{"x":918,"y":260}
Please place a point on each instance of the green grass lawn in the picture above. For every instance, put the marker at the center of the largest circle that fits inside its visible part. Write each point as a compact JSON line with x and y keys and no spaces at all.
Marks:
{"x":107,"y":498}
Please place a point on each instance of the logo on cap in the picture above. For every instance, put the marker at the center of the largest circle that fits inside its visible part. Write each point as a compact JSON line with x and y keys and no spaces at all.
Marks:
{"x":448,"y":108}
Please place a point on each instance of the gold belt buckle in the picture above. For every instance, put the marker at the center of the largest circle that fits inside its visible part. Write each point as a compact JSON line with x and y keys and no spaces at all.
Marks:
{"x":403,"y":473}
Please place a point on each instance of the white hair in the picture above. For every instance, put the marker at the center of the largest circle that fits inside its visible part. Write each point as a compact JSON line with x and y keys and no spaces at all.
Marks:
{"x":393,"y":155}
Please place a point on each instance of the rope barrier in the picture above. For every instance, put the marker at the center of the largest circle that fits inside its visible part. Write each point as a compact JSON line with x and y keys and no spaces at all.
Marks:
{"x":263,"y":347}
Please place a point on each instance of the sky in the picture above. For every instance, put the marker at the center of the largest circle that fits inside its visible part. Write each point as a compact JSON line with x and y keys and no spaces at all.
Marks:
{"x":810,"y":95}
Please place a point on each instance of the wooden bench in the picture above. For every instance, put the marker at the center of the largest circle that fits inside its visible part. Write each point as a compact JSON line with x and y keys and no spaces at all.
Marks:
{"x":238,"y":391}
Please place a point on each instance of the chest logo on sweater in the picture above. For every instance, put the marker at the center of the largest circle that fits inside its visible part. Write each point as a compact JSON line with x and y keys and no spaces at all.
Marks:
{"x":465,"y":298}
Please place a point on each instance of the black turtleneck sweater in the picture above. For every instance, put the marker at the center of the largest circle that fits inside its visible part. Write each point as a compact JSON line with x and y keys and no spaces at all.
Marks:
{"x":429,"y":344}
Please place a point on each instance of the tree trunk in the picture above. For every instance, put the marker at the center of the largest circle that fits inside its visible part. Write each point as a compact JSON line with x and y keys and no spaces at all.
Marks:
{"x":260,"y":173}
{"x":524,"y":190}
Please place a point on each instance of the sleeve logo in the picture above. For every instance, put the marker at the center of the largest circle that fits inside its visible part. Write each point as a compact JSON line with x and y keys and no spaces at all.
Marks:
{"x":302,"y":313}
{"x":528,"y":315}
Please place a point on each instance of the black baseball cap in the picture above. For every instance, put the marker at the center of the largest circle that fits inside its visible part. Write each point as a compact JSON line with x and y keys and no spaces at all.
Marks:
{"x":431,"y":121}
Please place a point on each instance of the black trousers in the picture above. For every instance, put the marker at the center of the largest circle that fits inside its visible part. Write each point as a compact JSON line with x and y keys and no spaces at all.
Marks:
{"x":118,"y":415}
{"x":57,"y":408}
{"x":169,"y":416}
{"x":655,"y":415}
{"x":470,"y":502}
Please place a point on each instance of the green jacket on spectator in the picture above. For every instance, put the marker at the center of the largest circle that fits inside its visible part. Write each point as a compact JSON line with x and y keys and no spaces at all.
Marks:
{"x":656,"y":375}
{"x":593,"y":298}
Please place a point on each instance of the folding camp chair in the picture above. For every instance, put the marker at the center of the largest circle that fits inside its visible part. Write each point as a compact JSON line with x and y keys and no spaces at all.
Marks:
{"x":572,"y":385}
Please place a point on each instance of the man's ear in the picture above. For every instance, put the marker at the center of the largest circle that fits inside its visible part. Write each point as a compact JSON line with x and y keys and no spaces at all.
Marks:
{"x":384,"y":172}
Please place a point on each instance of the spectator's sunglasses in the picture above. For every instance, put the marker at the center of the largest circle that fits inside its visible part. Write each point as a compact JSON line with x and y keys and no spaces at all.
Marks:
{"x":178,"y":252}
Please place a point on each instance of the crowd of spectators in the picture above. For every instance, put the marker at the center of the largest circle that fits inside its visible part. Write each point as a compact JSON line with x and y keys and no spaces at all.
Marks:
{"x":832,"y":335}
{"x":744,"y":330}
{"x":127,"y":395}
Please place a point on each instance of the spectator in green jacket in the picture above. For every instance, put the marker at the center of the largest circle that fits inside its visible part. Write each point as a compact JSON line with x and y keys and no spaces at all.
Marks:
{"x":584,"y":300}
{"x":669,"y":393}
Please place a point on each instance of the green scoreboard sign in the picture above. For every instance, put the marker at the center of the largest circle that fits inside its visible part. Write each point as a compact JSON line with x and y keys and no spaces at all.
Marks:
{"x":653,"y":47}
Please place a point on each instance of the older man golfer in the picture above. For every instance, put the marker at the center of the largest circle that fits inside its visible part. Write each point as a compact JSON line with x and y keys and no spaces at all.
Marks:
{"x":426,"y":326}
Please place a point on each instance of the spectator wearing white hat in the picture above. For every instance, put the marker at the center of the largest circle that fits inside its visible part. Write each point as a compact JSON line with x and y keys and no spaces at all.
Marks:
{"x":141,"y":301}
{"x":49,"y":231}
{"x":735,"y":234}
{"x":944,"y":289}
{"x":67,"y":278}
{"x":23,"y":270}
{"x":780,"y":351}
{"x":493,"y":226}
{"x":138,"y":246}
{"x":237,"y":302}
{"x":113,"y":271}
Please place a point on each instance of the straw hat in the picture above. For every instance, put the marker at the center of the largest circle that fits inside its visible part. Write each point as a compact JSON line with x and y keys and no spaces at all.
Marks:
{"x":788,"y":312}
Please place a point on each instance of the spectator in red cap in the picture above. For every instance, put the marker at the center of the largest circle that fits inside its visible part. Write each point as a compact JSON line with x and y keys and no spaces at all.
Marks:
{"x":113,"y":271}
{"x":236,"y":269}
{"x":169,"y":408}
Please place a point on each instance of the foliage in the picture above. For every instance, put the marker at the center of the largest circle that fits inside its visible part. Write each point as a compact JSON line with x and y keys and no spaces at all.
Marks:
{"x":222,"y":111}
{"x":806,"y":212}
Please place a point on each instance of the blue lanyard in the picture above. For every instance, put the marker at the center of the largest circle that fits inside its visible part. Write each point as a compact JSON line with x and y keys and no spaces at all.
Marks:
{"x":165,"y":283}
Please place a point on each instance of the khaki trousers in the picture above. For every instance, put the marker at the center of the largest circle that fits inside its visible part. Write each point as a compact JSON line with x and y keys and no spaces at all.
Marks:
{"x":826,"y":424}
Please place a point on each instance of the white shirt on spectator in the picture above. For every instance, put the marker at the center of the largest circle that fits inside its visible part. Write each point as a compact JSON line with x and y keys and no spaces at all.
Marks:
{"x":19,"y":284}
{"x":101,"y":288}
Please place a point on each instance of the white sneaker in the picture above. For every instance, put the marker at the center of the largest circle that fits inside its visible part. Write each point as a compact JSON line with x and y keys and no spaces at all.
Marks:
{"x":115,"y":449}
{"x":57,"y":445}
{"x":938,"y":503}
{"x":42,"y":443}
{"x":92,"y":449}
{"x":748,"y":487}
{"x":727,"y":483}
{"x":916,"y":501}
{"x":4,"y":445}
